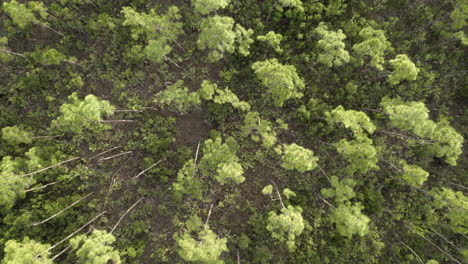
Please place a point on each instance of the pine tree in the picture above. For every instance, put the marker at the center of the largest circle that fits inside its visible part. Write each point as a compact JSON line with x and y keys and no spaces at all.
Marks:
{"x":187,"y":182}
{"x":207,"y":90}
{"x":349,"y":220}
{"x":342,"y":190}
{"x":202,"y":247}
{"x":292,"y":3}
{"x":413,"y":174}
{"x":259,"y":129}
{"x":282,"y":81}
{"x":205,"y":7}
{"x":80,"y":114}
{"x":12,"y":186}
{"x":357,"y":121}
{"x":226,"y":96}
{"x":414,"y":117}
{"x":331,"y":45}
{"x":218,"y":36}
{"x":374,"y":44}
{"x":14,"y":135}
{"x":403,"y":69}
{"x":360,"y":153}
{"x":26,"y":252}
{"x":21,"y":14}
{"x":220,"y":159}
{"x":287,"y":225}
{"x":96,"y":248}
{"x":156,"y":50}
{"x":456,"y":206}
{"x":273,"y":39}
{"x":298,"y":158}
{"x":178,"y":97}
{"x":158,"y":30}
{"x":244,"y":39}
{"x":48,"y":57}
{"x":151,"y":25}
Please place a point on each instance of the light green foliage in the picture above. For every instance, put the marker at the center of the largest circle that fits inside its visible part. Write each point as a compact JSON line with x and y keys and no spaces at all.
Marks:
{"x":35,"y":160}
{"x":158,"y":30}
{"x":231,"y":171}
{"x":178,"y":97}
{"x":268,"y":190}
{"x":187,"y":183}
{"x":12,"y":186}
{"x":207,"y":6}
{"x":25,"y":252}
{"x":273,"y":39}
{"x":288,"y":193}
{"x":413,"y":116}
{"x":218,"y":36}
{"x":14,"y":135}
{"x":48,"y":57}
{"x":335,"y":7}
{"x":221,"y":158}
{"x":207,"y":90}
{"x":287,"y":225}
{"x":459,"y":14}
{"x":298,"y":158}
{"x":226,"y":96}
{"x":331,"y":45}
{"x":432,"y":262}
{"x":259,"y":129}
{"x":374,"y":44}
{"x":403,"y":69}
{"x":292,"y":3}
{"x":360,"y":153}
{"x":413,"y":174}
{"x":349,"y":220}
{"x":22,"y":15}
{"x":357,"y":121}
{"x":244,"y":39}
{"x":342,"y":190}
{"x":96,"y":248}
{"x":151,"y":25}
{"x":203,"y":247}
{"x":156,"y":50}
{"x":80,"y":114}
{"x":282,"y":81}
{"x":456,"y":204}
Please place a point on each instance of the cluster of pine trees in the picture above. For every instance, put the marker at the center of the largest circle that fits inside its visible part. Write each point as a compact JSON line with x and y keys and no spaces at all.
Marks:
{"x":227,"y":131}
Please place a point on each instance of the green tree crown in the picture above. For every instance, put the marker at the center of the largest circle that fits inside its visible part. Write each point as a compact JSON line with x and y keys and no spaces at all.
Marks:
{"x":282,"y":81}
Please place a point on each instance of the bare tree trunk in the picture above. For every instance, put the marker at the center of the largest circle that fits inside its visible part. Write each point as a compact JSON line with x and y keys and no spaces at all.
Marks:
{"x":104,"y":152}
{"x":41,"y":187}
{"x":72,"y":234}
{"x":63,"y":210}
{"x":115,"y":156}
{"x":278,"y":193}
{"x":50,"y":167}
{"x":126,"y":212}
{"x":149,"y":168}
{"x":209,"y":214}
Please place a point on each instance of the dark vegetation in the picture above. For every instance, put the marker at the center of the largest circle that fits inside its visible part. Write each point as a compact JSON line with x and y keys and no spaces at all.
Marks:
{"x":228,"y":131}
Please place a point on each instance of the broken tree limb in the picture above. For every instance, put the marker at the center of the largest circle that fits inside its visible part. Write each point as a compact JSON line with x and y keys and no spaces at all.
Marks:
{"x":72,"y":234}
{"x":63,"y":210}
{"x":50,"y":167}
{"x":104,"y":152}
{"x":126,"y":212}
{"x":147,"y":169}
{"x":115,"y":156}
